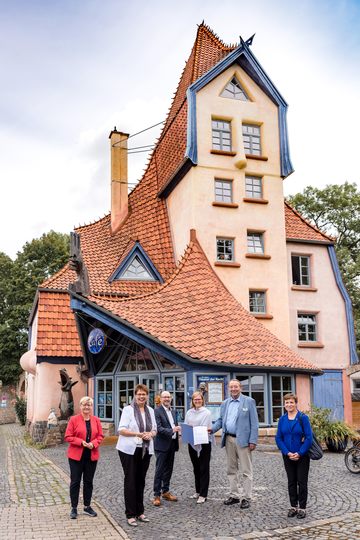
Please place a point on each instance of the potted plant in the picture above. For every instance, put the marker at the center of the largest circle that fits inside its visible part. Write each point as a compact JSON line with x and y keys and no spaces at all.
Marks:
{"x":334,"y":433}
{"x":337,"y":435}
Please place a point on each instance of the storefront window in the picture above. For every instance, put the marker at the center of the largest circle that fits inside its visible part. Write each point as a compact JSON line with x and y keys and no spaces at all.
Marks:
{"x":254,"y":386}
{"x":137,"y":358}
{"x":280,"y":385}
{"x":105,"y":399}
{"x":175,"y":384}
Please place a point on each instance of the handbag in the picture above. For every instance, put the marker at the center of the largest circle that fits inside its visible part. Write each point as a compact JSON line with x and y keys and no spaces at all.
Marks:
{"x":315,"y":451}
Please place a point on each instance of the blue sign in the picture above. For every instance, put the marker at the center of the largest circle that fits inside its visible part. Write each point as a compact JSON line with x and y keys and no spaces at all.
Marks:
{"x":96,"y":341}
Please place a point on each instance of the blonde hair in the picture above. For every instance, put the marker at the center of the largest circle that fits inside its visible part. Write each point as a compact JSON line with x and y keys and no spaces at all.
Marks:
{"x":195,"y":394}
{"x":86,"y":399}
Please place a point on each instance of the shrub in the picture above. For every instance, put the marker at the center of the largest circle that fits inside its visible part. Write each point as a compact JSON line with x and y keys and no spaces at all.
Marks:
{"x":20,"y":409}
{"x":324,"y":428}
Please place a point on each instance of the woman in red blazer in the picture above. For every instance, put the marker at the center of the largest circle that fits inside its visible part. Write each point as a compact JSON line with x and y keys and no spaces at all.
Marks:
{"x":84,"y":433}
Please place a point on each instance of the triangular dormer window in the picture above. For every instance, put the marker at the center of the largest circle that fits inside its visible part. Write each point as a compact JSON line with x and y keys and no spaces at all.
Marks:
{"x":234,"y":90}
{"x":137,"y":266}
{"x":136,"y":270}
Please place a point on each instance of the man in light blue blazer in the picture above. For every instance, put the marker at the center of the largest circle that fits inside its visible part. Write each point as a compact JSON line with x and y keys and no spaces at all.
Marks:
{"x":240,"y":427}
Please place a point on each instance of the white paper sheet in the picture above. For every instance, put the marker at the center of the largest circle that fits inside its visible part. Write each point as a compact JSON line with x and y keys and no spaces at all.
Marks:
{"x":201,"y":435}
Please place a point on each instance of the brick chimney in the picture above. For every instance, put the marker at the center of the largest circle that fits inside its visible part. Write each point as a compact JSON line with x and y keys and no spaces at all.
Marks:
{"x":119,"y":178}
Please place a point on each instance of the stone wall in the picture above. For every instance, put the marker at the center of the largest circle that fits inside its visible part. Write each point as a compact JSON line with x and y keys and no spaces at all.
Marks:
{"x":7,"y":410}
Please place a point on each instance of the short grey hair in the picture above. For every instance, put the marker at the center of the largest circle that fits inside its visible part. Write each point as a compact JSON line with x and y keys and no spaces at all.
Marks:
{"x":86,"y":399}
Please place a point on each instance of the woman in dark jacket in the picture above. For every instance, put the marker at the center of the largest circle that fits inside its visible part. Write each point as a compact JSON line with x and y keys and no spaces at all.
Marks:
{"x":84,"y":433}
{"x":294,"y":438}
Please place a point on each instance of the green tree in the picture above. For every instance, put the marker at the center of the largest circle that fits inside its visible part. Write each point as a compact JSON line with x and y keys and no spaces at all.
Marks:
{"x":19,"y":279}
{"x":335,"y":210}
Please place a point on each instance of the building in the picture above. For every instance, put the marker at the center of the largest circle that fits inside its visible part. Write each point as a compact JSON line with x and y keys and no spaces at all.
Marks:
{"x":201,"y":273}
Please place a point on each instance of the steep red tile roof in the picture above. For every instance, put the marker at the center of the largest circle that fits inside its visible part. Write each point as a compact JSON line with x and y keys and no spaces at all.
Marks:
{"x":57,"y":334}
{"x":148,"y":220}
{"x":298,"y":228}
{"x":194,"y":313}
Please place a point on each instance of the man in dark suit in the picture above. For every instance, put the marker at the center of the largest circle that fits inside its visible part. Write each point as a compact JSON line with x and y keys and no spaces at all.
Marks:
{"x":166,"y":443}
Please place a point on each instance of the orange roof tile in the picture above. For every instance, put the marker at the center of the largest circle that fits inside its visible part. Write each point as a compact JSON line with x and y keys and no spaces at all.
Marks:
{"x":194,"y":313}
{"x":298,"y":228}
{"x":57,"y":334}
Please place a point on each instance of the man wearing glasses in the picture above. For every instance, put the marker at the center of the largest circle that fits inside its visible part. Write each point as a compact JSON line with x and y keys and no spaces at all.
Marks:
{"x":166,"y":443}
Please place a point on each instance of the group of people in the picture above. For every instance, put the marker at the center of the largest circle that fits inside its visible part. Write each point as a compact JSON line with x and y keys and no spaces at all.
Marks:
{"x":143,"y":432}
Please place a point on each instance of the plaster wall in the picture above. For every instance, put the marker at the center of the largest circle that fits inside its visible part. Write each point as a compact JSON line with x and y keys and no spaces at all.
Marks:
{"x":303,"y":391}
{"x":332,"y":349}
{"x":48,"y":393}
{"x":190,"y":203}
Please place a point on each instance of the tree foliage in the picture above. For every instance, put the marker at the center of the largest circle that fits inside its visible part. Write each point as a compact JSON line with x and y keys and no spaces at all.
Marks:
{"x":19,"y":279}
{"x":335,"y":210}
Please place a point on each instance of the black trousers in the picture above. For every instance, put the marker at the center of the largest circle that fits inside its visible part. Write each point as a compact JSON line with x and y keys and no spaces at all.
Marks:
{"x":297,"y":475}
{"x":201,"y":466}
{"x":164,"y":469}
{"x":84,"y":468}
{"x":135,"y":468}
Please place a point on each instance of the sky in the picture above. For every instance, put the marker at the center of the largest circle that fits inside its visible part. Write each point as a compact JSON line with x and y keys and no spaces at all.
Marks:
{"x":71,"y":70}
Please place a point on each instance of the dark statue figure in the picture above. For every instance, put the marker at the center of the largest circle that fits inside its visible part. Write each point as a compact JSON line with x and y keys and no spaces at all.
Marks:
{"x":66,"y":404}
{"x":76,"y":263}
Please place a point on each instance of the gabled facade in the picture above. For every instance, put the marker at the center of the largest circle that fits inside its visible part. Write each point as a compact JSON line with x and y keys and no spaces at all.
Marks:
{"x":250,"y":295}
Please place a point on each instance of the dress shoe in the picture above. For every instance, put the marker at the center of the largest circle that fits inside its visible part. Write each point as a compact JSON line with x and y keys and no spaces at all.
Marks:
{"x":156,"y":501}
{"x":301,"y":514}
{"x":231,"y":500}
{"x":292,"y":512}
{"x":245,"y":503}
{"x":169,"y":497}
{"x":73,"y":513}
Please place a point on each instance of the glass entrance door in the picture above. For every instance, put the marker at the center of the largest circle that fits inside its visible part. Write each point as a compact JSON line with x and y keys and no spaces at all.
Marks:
{"x":152,"y":382}
{"x":125,"y":395}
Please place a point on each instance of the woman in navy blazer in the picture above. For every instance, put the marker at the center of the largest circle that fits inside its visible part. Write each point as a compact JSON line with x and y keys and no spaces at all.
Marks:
{"x":84,"y":433}
{"x":294,"y":438}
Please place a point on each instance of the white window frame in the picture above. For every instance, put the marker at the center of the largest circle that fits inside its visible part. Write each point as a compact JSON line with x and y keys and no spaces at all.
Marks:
{"x":250,"y":182}
{"x":310,"y":319}
{"x":220,"y":192}
{"x":221,"y":132}
{"x":256,"y":303}
{"x":251,"y":139}
{"x":300,"y":258}
{"x":254,"y":246}
{"x":234,"y":90}
{"x":231,"y":243}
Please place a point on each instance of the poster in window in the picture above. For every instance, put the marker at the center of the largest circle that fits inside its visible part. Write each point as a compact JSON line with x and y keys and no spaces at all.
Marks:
{"x":215,"y":392}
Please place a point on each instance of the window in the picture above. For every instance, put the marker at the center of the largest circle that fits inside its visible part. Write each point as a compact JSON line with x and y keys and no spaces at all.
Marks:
{"x":223,"y":190}
{"x":221,"y":135}
{"x":137,"y":270}
{"x":253,"y":187}
{"x":257,"y":302}
{"x":280,"y":385}
{"x":234,"y":90}
{"x":175,"y":384}
{"x":300,"y":265}
{"x":253,"y":386}
{"x":306,"y":327}
{"x":105,"y":399}
{"x":251,"y":138}
{"x":224,"y":249}
{"x":255,"y":242}
{"x":137,"y":358}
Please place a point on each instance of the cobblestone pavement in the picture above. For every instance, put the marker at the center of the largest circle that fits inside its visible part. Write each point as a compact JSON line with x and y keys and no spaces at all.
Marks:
{"x":34,"y":497}
{"x":333,"y":506}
